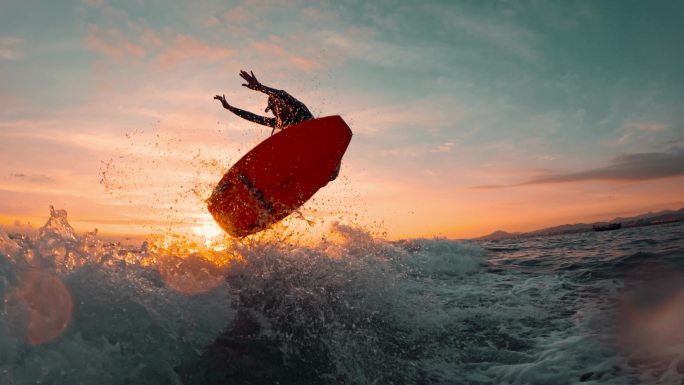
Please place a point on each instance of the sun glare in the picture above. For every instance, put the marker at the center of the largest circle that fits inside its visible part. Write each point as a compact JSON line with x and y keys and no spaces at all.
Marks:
{"x":208,"y":230}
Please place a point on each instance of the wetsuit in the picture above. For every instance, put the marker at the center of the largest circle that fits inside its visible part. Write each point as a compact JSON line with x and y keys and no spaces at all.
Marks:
{"x":298,"y":111}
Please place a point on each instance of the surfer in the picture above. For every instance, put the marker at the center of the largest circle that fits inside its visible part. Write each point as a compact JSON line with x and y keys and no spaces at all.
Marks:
{"x":286,"y":109}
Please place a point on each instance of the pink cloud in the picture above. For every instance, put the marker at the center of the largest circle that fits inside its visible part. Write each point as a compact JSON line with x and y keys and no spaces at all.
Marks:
{"x":239,"y":14}
{"x":317,"y":14}
{"x":272,"y":46}
{"x":10,"y":101}
{"x":249,"y":10}
{"x":278,"y":46}
{"x":134,"y":49}
{"x":168,"y":47}
{"x":443,"y":114}
{"x":10,"y":48}
{"x":186,"y":47}
{"x":647,"y":126}
{"x":94,"y":3}
{"x":112,"y":43}
{"x":304,"y":63}
{"x":150,"y":38}
{"x":212,"y":21}
{"x":100,"y":45}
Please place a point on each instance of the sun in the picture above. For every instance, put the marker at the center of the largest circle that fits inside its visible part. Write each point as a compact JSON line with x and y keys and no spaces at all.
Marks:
{"x":208,"y":230}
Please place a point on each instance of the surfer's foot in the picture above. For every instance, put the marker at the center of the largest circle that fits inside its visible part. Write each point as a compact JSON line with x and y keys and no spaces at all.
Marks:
{"x":335,"y":173}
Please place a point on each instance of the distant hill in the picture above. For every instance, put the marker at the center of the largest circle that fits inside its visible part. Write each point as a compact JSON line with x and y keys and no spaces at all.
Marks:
{"x":563,"y":229}
{"x":498,"y":235}
{"x":645,"y":216}
{"x":646,"y":219}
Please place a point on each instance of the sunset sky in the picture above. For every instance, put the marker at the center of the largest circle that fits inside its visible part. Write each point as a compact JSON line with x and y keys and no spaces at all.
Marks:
{"x":468,"y":116}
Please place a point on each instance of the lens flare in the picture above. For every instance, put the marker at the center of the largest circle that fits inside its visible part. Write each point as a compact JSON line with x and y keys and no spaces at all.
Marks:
{"x":650,"y":318}
{"x":39,"y":307}
{"x":191,"y":275}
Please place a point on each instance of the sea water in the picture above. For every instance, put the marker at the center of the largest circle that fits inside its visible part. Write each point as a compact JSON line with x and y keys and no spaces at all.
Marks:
{"x":591,"y":308}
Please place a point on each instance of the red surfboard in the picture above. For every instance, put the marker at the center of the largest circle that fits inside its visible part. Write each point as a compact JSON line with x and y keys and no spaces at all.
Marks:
{"x":279,"y":175}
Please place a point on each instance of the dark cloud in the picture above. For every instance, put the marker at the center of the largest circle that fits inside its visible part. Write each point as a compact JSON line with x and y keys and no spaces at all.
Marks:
{"x":630,"y":167}
{"x":488,"y":187}
{"x":34,"y":178}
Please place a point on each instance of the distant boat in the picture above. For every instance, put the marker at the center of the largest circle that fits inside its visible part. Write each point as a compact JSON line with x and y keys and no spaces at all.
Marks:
{"x":610,"y":226}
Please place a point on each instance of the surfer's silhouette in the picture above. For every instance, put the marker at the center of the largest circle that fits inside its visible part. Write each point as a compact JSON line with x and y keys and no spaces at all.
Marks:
{"x":286,"y":109}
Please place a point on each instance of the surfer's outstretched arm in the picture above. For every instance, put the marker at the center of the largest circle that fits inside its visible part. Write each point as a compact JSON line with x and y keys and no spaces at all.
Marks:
{"x":270,"y":122}
{"x":282,"y":95}
{"x":253,"y":84}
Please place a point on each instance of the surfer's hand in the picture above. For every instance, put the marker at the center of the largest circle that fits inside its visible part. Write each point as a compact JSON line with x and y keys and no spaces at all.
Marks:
{"x":252,"y":82}
{"x":223,"y":100}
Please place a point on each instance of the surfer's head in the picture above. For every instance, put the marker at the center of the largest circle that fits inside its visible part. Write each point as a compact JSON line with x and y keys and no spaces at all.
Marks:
{"x":279,"y":108}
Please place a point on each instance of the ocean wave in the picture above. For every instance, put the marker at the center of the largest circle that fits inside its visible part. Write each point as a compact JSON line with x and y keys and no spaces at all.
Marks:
{"x":347,"y":308}
{"x":350,"y":309}
{"x":440,"y":256}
